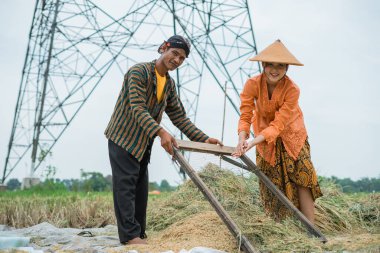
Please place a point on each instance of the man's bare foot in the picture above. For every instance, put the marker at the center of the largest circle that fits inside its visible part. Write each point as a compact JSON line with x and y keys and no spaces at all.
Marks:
{"x":137,"y":240}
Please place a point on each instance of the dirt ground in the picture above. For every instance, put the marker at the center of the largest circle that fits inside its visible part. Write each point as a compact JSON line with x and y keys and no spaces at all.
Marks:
{"x":204,"y":229}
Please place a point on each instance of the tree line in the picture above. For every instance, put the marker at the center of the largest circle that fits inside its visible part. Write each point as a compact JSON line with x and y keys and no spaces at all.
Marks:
{"x":95,"y":181}
{"x":89,"y":181}
{"x":350,"y":186}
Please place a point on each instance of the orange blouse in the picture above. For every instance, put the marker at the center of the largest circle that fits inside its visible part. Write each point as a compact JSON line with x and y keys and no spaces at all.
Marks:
{"x":279,"y":116}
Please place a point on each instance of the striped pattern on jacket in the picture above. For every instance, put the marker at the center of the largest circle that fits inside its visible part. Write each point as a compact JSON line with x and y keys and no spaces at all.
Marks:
{"x":137,"y":114}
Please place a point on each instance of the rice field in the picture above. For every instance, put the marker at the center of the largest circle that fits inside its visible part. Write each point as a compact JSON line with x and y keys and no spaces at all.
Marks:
{"x":350,"y":222}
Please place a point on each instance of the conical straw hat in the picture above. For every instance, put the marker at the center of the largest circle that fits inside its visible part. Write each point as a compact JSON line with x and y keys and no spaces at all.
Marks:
{"x":278,"y":53}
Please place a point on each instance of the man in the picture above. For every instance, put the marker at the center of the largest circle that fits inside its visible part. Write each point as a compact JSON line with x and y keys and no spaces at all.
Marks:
{"x":147,"y":92}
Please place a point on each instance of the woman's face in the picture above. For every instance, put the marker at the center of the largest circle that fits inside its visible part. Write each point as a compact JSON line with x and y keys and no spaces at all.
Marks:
{"x":274,"y":71}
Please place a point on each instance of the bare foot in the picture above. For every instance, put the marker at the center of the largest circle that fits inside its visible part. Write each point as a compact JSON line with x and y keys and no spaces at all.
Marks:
{"x":137,"y":240}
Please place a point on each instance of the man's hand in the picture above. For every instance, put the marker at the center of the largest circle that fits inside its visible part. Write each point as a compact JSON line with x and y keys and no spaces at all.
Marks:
{"x":214,"y":141}
{"x":167,"y":140}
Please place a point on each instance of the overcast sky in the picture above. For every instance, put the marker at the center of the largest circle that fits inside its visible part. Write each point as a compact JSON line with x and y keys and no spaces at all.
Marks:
{"x":338,"y":41}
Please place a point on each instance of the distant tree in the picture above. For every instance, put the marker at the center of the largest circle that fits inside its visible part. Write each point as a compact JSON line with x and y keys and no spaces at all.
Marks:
{"x":71,"y":184}
{"x":50,"y":183}
{"x":67,"y":183}
{"x":94,"y":181}
{"x":76,"y":185}
{"x":109,"y":181}
{"x":165,"y":186}
{"x":347,"y":185}
{"x":153,"y":186}
{"x":13,"y":184}
{"x":376,"y":184}
{"x":362,"y":185}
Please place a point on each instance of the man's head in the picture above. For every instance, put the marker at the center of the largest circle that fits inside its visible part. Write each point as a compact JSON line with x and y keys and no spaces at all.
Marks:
{"x":176,"y":41}
{"x":173,"y":52}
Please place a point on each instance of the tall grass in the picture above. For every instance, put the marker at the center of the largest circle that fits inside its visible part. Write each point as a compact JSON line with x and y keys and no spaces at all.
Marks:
{"x":61,"y":208}
{"x":336,"y":213}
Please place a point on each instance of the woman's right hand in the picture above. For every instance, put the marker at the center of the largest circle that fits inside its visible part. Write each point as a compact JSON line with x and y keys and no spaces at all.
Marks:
{"x":244,"y":145}
{"x":241,"y":148}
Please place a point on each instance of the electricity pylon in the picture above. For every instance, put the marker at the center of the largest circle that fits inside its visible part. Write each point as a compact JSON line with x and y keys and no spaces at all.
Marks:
{"x":74,"y":43}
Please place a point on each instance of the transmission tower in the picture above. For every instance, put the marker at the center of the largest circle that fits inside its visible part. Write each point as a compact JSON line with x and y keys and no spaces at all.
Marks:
{"x":74,"y":43}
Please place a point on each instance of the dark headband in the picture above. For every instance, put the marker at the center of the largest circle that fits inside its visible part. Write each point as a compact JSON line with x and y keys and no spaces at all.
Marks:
{"x":177,"y":41}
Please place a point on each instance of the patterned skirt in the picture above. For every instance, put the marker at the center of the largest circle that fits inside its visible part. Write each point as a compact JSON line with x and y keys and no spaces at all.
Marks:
{"x":286,"y":175}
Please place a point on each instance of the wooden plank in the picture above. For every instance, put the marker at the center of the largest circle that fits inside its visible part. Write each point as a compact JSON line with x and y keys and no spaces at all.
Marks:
{"x":205,"y":147}
{"x":250,"y":166}
{"x":235,"y":231}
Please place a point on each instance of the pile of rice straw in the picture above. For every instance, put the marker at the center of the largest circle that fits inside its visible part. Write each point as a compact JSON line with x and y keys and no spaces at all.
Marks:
{"x":350,"y":222}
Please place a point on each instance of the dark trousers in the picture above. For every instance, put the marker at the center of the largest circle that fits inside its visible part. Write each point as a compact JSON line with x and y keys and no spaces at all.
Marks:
{"x":130,"y":191}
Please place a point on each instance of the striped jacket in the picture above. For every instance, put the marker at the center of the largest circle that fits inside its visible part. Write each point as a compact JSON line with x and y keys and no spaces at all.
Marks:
{"x":137,"y":114}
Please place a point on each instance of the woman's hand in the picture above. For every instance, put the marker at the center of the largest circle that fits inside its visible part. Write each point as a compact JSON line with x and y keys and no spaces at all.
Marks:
{"x":251,"y":144}
{"x":240,"y":148}
{"x":243,"y":145}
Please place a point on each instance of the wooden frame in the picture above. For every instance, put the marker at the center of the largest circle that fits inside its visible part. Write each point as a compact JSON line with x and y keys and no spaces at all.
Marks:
{"x":249,"y":165}
{"x":231,"y":225}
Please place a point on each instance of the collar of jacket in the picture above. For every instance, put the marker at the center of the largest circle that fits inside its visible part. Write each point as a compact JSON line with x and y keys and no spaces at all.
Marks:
{"x":153,"y":72}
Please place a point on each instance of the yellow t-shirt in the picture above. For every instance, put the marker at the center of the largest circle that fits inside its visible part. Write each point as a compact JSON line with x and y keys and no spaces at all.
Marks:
{"x":161,"y":80}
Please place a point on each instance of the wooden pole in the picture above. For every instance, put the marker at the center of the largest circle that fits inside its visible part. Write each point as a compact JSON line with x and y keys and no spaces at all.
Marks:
{"x":231,"y":225}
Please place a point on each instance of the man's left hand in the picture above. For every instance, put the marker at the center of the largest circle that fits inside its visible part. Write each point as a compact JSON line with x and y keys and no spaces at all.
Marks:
{"x":214,"y":141}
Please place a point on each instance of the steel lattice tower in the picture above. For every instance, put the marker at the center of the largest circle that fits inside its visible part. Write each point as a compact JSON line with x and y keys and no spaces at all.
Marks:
{"x":74,"y":43}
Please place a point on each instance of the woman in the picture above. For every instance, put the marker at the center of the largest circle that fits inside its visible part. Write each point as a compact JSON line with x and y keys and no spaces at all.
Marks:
{"x":269,"y":102}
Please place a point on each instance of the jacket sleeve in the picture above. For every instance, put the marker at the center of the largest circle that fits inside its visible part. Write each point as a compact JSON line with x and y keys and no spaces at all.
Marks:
{"x":283,"y":115}
{"x":135,"y":81}
{"x":177,"y":115}
{"x":247,"y":106}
